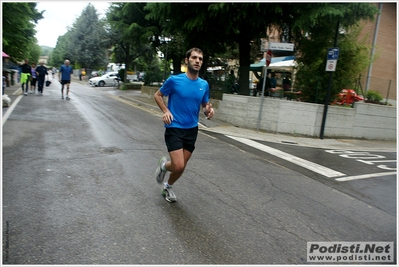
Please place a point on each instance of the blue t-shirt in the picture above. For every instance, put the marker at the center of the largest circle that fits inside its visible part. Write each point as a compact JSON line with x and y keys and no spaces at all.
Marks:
{"x":66,"y":72}
{"x":185,"y":99}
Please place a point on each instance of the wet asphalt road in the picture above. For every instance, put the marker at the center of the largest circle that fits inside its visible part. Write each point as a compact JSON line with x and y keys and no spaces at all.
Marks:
{"x":78,"y":188}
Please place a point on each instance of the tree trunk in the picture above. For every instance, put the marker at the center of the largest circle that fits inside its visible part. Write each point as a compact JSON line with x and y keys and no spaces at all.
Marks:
{"x":204,"y":66}
{"x":127,"y":60}
{"x":244,"y":54}
{"x":176,"y":64}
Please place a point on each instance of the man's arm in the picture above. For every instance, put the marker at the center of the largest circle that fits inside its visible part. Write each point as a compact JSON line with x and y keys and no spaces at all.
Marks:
{"x":167,"y":117}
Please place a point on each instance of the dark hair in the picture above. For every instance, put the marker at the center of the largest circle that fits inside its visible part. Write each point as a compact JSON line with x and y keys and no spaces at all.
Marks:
{"x":188,"y":53}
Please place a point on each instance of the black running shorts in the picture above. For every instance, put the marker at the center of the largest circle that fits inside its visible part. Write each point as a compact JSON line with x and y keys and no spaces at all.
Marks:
{"x":176,"y":138}
{"x":65,"y":82}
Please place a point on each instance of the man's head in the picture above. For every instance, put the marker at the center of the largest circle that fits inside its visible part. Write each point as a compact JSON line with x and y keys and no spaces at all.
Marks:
{"x":194,"y":59}
{"x":26,"y":61}
{"x":66,"y":62}
{"x":33,"y":64}
{"x":42,"y":62}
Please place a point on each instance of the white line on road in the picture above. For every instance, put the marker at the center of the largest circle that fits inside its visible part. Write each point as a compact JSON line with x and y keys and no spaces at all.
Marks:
{"x":10,"y":109}
{"x":17,"y":92}
{"x":364,"y":176}
{"x":288,"y":157}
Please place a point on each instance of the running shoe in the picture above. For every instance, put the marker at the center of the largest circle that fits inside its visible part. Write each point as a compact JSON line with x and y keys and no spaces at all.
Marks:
{"x":62,"y":97}
{"x":159,"y":173}
{"x":168,"y":194}
{"x":67,"y":98}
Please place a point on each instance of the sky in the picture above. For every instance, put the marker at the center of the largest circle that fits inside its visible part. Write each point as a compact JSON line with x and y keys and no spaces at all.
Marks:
{"x":59,"y":15}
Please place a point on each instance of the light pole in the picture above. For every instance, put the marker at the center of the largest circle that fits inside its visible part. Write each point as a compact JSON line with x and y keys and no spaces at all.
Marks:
{"x":166,"y":54}
{"x":165,"y":59}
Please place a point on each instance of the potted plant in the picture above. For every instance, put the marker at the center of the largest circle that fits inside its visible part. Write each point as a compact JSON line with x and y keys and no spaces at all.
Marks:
{"x":373,"y":97}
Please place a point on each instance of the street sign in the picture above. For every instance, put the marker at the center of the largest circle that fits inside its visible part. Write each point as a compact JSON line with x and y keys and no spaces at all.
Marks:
{"x":331,"y":65}
{"x":282,"y":46}
{"x":333,"y":53}
{"x":263,"y":45}
{"x":268,"y":57}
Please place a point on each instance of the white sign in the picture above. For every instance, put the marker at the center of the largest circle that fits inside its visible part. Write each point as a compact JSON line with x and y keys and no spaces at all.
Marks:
{"x":331,"y":65}
{"x":263,"y":46}
{"x":282,"y":46}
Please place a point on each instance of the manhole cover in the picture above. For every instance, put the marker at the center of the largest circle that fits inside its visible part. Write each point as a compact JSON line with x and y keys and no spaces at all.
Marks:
{"x":110,"y":150}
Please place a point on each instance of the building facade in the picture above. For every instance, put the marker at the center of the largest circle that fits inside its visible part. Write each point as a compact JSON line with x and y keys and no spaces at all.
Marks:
{"x":382,"y":35}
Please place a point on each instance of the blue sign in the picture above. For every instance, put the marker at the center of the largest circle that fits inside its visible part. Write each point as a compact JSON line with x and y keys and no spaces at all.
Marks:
{"x":333,"y":53}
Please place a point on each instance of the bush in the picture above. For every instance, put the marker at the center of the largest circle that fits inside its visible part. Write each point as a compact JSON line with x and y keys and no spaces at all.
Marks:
{"x":373,"y":95}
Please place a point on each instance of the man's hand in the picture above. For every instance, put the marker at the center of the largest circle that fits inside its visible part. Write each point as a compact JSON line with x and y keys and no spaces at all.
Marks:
{"x":167,"y":117}
{"x":209,"y":111}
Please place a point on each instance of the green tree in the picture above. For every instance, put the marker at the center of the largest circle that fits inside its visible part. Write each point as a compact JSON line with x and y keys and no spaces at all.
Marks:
{"x":313,"y":31}
{"x":129,"y":31}
{"x":63,"y":50}
{"x":199,"y":25}
{"x":35,"y":52}
{"x":19,"y":21}
{"x":88,"y":38}
{"x":187,"y":25}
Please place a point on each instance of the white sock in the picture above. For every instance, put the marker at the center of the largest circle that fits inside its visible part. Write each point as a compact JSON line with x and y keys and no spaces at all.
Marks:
{"x":167,"y":185}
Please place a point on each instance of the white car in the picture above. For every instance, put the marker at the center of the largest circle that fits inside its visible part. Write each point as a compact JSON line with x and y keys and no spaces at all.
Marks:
{"x":105,"y":80}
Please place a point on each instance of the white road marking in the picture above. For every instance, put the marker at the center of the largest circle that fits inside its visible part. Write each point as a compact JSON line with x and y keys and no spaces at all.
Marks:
{"x":10,"y":109}
{"x":364,"y":176}
{"x":293,"y":159}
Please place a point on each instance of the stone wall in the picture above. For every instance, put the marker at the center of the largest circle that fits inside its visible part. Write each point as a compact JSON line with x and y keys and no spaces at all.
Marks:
{"x":369,"y":121}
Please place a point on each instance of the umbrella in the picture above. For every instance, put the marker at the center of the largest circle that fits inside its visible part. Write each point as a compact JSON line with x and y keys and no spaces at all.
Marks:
{"x":5,"y":55}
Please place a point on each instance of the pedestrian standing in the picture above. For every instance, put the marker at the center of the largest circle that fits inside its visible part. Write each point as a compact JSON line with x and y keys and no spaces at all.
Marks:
{"x":41,"y":72}
{"x":33,"y":79}
{"x":64,"y":76}
{"x":25,"y":75}
{"x":186,"y":94}
{"x":83,"y":73}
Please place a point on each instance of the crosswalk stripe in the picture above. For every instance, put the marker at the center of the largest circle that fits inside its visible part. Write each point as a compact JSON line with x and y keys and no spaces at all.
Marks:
{"x":364,"y":176}
{"x":330,"y":173}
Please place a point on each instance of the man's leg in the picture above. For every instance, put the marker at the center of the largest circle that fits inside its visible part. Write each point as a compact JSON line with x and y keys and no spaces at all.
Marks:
{"x":40,"y":84}
{"x":67,"y":92}
{"x":62,"y":90}
{"x":177,"y":164}
{"x":25,"y":85}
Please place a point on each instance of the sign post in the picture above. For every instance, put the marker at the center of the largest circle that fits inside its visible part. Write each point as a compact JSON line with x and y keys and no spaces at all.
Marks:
{"x":332,"y":58}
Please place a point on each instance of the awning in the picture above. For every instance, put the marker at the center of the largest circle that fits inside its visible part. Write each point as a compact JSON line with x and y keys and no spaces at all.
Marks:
{"x":287,"y":65}
{"x":287,"y":61}
{"x":5,"y":55}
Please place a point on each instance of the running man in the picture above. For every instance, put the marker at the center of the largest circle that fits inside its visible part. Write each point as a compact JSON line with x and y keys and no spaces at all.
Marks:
{"x":64,"y":76}
{"x":41,"y":72}
{"x":186,"y":94}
